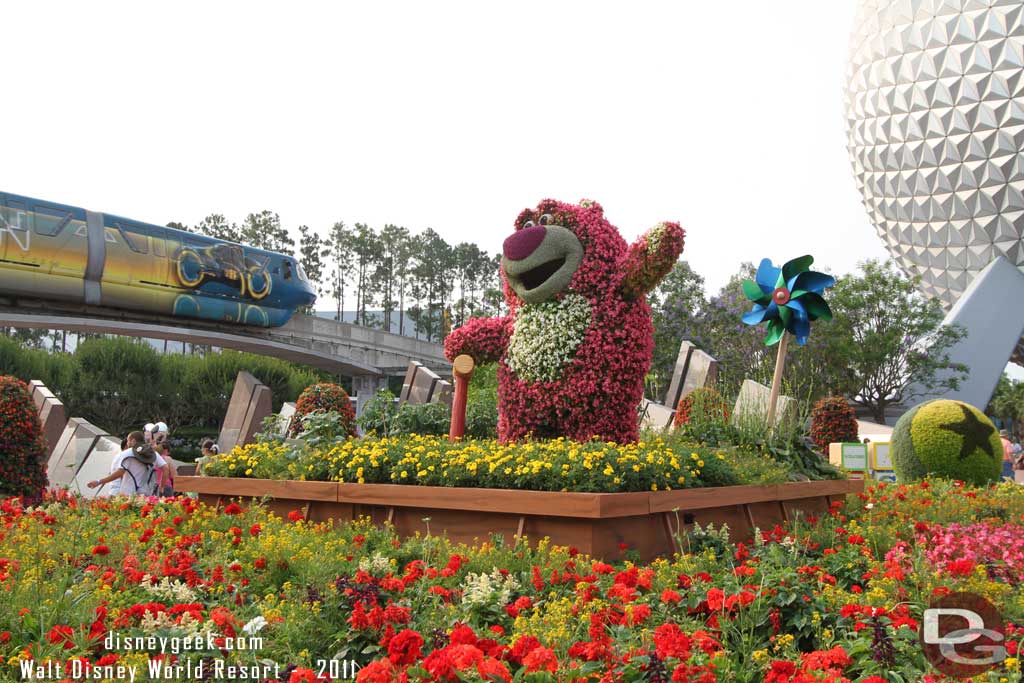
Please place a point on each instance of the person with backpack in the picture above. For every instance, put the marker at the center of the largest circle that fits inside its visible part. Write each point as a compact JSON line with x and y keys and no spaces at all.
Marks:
{"x":133,"y":471}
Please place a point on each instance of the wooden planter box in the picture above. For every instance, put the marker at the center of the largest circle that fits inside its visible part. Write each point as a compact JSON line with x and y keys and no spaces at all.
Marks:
{"x":595,"y":523}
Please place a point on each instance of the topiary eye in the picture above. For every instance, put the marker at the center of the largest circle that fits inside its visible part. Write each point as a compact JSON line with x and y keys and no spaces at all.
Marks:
{"x":529,"y":224}
{"x":546,"y":219}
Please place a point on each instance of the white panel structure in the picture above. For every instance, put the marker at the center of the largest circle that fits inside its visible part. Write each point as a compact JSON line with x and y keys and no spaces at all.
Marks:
{"x":935,"y":123}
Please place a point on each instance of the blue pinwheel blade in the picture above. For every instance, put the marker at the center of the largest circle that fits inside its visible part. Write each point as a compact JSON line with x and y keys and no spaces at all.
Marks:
{"x":801,"y":329}
{"x":811,"y":281}
{"x":797,"y":307}
{"x":755,"y":316}
{"x":767,"y":275}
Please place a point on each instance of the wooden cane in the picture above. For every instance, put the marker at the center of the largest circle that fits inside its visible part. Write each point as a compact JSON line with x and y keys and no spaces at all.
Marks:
{"x":462,"y":369}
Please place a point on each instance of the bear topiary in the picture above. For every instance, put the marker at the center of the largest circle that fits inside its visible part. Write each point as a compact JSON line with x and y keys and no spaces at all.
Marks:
{"x":573,"y":350}
{"x":946,"y":438}
{"x":22,"y":449}
{"x":833,"y":421}
{"x":324,"y":397}
{"x":703,"y":404}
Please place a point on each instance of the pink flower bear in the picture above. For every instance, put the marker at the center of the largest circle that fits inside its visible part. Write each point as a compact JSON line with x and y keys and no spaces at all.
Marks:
{"x":577,"y":342}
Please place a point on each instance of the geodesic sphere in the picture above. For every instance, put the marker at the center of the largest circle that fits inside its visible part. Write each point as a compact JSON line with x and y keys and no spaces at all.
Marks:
{"x":935,"y":127}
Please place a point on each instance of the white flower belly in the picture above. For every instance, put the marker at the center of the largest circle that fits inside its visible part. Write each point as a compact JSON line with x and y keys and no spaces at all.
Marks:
{"x":546,"y":337}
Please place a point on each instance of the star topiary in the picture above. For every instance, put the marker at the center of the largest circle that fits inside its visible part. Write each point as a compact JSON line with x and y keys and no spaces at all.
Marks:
{"x":323,"y":397}
{"x":702,"y":405}
{"x":949,"y":439}
{"x":833,"y":421}
{"x":22,"y":450}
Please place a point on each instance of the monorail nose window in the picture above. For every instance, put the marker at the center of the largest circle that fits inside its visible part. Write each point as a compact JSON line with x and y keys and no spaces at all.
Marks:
{"x":287,"y":270}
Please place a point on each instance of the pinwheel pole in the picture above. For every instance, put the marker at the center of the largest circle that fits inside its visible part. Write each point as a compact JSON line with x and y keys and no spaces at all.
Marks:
{"x":789,"y":299}
{"x":780,"y":366}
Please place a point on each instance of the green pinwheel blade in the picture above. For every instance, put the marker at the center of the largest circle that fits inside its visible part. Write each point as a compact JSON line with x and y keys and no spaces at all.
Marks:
{"x":785,"y":315}
{"x":816,"y":306}
{"x":775,"y":331}
{"x":797,"y":265}
{"x":754,"y":293}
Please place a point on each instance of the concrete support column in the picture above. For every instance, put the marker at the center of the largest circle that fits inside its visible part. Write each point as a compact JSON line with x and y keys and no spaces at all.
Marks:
{"x":365,"y":386}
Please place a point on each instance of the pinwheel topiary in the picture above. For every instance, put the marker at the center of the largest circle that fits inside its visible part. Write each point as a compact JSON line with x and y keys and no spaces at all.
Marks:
{"x":790,"y":299}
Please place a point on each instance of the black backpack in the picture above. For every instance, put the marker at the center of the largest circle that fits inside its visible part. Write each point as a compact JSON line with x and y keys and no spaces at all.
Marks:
{"x":150,"y":468}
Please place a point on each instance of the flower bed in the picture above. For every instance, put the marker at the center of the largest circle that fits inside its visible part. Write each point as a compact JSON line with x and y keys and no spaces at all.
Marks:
{"x":826,"y":599}
{"x":597,"y":523}
{"x":554,"y":465}
{"x":550,"y":465}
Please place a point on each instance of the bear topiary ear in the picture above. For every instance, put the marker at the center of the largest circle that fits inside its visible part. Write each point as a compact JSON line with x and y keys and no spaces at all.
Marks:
{"x":650,"y":259}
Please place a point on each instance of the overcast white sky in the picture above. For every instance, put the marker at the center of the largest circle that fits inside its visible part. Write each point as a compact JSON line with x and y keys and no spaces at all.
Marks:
{"x":724,"y":116}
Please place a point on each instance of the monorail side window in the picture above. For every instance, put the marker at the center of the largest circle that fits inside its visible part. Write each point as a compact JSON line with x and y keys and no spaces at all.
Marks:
{"x":135,"y":236}
{"x":287,"y":269}
{"x":50,"y":220}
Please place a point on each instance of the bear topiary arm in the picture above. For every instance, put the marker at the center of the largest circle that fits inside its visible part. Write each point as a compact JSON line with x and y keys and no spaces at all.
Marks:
{"x":650,"y":258}
{"x":485,"y":339}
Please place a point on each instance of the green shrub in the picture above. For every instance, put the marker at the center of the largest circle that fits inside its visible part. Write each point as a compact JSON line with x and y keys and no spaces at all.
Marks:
{"x":378,"y":413}
{"x":120,"y":384}
{"x":21,"y":442}
{"x":833,"y":421}
{"x":949,"y":439}
{"x":425,"y":418}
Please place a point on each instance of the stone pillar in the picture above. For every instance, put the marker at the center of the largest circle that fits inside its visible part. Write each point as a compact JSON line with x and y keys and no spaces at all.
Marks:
{"x":250,"y":404}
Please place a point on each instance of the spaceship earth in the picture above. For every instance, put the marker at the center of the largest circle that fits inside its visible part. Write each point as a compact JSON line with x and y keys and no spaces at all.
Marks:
{"x":934,"y":104}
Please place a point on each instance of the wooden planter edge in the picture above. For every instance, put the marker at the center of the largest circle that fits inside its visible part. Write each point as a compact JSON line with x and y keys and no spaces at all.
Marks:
{"x":533,"y":503}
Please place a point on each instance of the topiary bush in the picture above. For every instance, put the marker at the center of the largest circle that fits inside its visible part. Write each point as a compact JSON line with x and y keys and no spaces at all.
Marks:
{"x":324,"y":397}
{"x":833,"y":421}
{"x":949,"y":439}
{"x":22,"y":449}
{"x":701,"y":406}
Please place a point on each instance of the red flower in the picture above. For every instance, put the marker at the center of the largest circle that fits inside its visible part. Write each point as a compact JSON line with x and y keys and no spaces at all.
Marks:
{"x":961,"y":567}
{"x":464,"y":655}
{"x":780,"y":672}
{"x":295,"y":516}
{"x":491,"y":669}
{"x":670,"y":596}
{"x":101,"y":550}
{"x":716,"y":599}
{"x":233,"y":509}
{"x":670,"y":641}
{"x":405,"y":648}
{"x":541,"y":659}
{"x":61,"y":634}
{"x":378,"y":671}
{"x":301,"y":675}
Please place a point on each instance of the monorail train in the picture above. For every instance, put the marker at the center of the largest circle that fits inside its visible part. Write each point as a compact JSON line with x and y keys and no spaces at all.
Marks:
{"x":53,"y":251}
